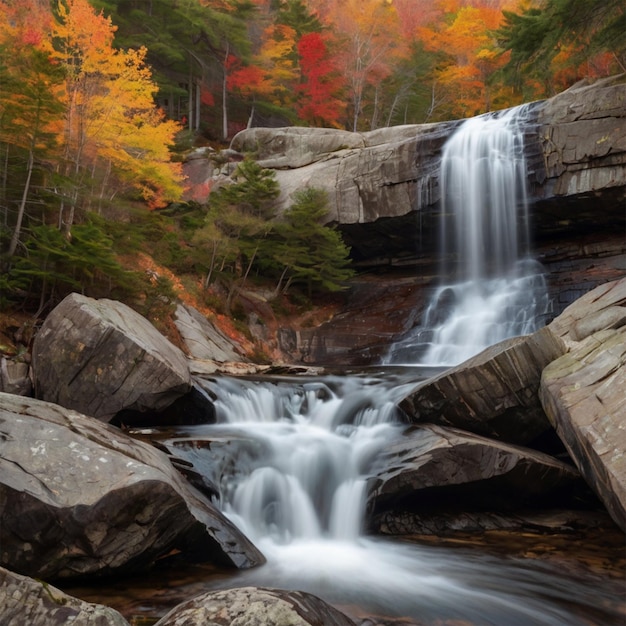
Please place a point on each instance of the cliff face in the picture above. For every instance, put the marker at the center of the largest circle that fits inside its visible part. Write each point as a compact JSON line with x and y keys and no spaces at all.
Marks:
{"x":384,"y":189}
{"x":384,"y":193}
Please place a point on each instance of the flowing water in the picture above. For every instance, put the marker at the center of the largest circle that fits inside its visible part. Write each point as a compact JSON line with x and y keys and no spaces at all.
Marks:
{"x":290,"y":461}
{"x":491,"y":288}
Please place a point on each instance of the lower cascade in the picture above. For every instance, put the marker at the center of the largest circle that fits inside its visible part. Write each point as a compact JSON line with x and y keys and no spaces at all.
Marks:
{"x":491,"y":288}
{"x":289,"y":461}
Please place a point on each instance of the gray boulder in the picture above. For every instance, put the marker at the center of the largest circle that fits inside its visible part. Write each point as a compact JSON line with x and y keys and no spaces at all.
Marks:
{"x":492,"y":394}
{"x":79,"y":497}
{"x":203,"y":340}
{"x":100,"y":357}
{"x":584,"y":392}
{"x":252,"y":606}
{"x":33,"y":602}
{"x":434,"y":460}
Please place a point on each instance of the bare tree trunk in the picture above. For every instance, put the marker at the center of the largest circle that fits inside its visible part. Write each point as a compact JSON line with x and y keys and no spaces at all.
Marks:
{"x":198,"y":102}
{"x":207,"y":280}
{"x":225,"y":94}
{"x":17,"y":229}
{"x":190,"y":103}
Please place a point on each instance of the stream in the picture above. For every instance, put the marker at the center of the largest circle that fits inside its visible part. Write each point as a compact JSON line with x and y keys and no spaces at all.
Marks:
{"x":289,"y":460}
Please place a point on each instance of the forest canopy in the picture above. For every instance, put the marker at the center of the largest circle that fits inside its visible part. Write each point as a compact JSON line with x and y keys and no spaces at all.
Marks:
{"x":99,"y":99}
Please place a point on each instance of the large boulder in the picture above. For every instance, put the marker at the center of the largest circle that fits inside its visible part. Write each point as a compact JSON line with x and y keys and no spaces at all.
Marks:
{"x":255,"y":606}
{"x":79,"y":497}
{"x":583,"y":392}
{"x":492,"y":394}
{"x":36,"y":603}
{"x":100,"y":357}
{"x":437,"y":469}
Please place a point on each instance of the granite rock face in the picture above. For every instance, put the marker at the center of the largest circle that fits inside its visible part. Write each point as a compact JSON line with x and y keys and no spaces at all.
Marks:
{"x":583,"y":392}
{"x":100,"y":357}
{"x":384,"y":186}
{"x":79,"y":497}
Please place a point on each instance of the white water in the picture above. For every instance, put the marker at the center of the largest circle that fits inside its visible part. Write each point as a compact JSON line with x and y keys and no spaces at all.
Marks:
{"x":291,"y":460}
{"x":491,"y":288}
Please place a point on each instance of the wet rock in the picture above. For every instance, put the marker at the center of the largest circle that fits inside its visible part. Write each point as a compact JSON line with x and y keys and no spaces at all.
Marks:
{"x":79,"y":497}
{"x":100,"y":357}
{"x":492,"y":394}
{"x":444,"y":524}
{"x":583,"y":392}
{"x":33,"y":602}
{"x":435,"y":468}
{"x":255,"y":606}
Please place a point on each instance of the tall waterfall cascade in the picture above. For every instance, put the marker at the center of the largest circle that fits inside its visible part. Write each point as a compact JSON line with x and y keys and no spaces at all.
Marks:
{"x":290,"y":461}
{"x":491,"y":288}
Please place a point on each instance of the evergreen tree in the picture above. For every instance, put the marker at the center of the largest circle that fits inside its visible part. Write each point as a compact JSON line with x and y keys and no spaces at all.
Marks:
{"x":238,"y":222}
{"x":573,"y":30}
{"x":29,"y":109}
{"x":296,"y":15}
{"x":312,"y":254}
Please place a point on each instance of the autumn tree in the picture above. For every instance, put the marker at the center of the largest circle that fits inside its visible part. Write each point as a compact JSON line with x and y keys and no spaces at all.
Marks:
{"x":319,"y":92}
{"x":111,"y":119}
{"x":584,"y":36}
{"x":369,"y":32}
{"x":468,"y":55}
{"x":78,"y":124}
{"x":29,"y":114}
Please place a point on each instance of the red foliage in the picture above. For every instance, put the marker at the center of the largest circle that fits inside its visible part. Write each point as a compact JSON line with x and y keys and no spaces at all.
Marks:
{"x":318,"y":101}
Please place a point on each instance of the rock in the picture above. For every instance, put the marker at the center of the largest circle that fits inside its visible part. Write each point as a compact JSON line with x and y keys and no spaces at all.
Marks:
{"x":435,"y":468}
{"x":294,"y":147}
{"x":27,"y":601}
{"x":15,"y":377}
{"x":203,"y":340}
{"x":252,"y":606}
{"x":79,"y":497}
{"x":492,"y":394}
{"x":523,"y":522}
{"x":583,"y":392}
{"x":583,"y":140}
{"x":100,"y":357}
{"x":375,"y":312}
{"x":599,"y":309}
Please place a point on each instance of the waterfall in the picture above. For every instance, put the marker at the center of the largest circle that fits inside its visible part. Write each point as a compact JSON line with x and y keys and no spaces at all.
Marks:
{"x":305,"y":477}
{"x":491,"y":288}
{"x":289,"y":460}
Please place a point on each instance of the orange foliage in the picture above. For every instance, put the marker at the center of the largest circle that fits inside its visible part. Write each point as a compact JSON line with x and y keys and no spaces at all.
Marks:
{"x":464,"y":40}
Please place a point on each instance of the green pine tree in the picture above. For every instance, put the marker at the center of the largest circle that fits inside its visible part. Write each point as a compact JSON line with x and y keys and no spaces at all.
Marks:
{"x":313,"y":255}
